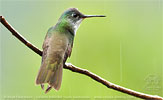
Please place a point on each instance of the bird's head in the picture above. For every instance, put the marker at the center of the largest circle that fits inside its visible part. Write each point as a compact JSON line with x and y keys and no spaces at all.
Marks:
{"x":72,"y":17}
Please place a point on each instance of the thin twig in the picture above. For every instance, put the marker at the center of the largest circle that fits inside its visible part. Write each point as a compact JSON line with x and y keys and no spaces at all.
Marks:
{"x":79,"y":70}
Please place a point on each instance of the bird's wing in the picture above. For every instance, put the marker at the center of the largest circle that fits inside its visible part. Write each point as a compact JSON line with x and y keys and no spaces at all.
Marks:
{"x":68,"y":52}
{"x":40,"y":79}
{"x":45,"y":47}
{"x":69,"y":49}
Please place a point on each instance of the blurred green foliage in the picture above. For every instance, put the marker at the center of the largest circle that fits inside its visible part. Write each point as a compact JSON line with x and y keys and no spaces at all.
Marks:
{"x":124,"y":48}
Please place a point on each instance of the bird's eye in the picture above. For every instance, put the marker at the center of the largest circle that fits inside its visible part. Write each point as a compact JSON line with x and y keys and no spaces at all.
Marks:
{"x":74,"y":15}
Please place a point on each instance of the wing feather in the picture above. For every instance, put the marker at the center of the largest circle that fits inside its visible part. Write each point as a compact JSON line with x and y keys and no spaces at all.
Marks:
{"x":68,"y":52}
{"x":42,"y":72}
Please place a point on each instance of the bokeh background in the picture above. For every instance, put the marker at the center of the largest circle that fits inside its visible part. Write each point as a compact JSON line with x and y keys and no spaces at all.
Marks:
{"x":124,"y":48}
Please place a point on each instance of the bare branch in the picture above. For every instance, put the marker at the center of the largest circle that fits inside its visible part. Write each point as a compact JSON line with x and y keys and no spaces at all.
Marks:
{"x":79,"y":70}
{"x":18,"y":36}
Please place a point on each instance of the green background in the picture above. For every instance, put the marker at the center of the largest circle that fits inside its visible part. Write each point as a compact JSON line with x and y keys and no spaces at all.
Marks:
{"x":124,"y":48}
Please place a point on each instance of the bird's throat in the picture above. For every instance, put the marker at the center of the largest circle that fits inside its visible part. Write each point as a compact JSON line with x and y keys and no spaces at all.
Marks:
{"x":75,"y":26}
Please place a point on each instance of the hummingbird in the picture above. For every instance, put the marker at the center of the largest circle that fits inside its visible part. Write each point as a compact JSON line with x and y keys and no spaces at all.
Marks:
{"x":57,"y":47}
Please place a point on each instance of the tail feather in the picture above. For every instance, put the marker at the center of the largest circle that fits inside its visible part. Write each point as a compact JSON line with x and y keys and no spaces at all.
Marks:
{"x":50,"y":76}
{"x":57,"y":79}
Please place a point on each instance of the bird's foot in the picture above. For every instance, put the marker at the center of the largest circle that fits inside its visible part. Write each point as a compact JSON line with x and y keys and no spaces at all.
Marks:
{"x":48,"y":89}
{"x":42,"y":86}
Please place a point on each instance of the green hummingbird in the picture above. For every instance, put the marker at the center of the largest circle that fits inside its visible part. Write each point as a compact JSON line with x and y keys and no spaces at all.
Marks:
{"x":57,"y":48}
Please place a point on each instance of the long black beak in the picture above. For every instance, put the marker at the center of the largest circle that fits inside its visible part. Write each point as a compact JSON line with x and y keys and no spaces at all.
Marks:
{"x":89,"y":16}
